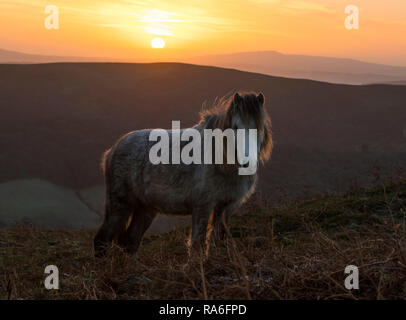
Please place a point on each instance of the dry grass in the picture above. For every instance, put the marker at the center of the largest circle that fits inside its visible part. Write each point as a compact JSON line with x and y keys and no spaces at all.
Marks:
{"x":298,"y":251}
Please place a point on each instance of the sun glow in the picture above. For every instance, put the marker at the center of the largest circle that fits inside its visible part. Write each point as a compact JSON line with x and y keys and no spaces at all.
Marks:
{"x":158,"y":43}
{"x":124,"y":29}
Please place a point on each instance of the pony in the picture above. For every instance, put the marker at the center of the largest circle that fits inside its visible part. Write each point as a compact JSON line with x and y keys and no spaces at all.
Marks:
{"x":137,"y":190}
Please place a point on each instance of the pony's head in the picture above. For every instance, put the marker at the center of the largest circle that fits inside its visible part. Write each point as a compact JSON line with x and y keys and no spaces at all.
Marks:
{"x":247,"y":111}
{"x":242,"y":112}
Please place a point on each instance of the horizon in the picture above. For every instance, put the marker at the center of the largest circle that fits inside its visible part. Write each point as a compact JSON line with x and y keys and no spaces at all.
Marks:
{"x":164,"y":32}
{"x":186,"y":60}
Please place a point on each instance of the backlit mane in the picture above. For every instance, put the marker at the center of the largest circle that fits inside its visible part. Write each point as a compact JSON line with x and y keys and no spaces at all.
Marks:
{"x":220,"y":113}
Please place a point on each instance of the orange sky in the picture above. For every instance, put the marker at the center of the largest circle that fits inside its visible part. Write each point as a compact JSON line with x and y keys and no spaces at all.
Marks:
{"x":125,"y":28}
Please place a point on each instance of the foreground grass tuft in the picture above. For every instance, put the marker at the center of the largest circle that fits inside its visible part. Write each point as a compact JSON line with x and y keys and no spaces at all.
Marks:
{"x":296,"y":251}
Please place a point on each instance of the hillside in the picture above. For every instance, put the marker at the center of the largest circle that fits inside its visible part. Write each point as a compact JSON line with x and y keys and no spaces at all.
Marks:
{"x":295,"y":251}
{"x":57,"y":119}
{"x":395,"y":83}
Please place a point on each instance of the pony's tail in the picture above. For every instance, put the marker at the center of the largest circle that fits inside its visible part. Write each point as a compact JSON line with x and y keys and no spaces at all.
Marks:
{"x":101,"y":237}
{"x":106,"y":169}
{"x":104,"y":160}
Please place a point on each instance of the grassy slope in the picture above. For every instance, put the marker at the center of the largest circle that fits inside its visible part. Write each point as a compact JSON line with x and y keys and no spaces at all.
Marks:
{"x":298,"y":251}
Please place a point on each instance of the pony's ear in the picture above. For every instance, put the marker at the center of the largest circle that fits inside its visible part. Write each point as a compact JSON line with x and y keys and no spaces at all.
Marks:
{"x":237,"y":98}
{"x":261,"y":98}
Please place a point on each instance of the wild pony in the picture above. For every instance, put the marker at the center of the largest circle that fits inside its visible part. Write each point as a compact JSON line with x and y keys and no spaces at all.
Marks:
{"x":136,"y":190}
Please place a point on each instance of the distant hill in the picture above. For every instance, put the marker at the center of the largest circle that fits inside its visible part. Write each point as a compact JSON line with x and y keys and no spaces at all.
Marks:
{"x":335,"y":70}
{"x":7,"y":56}
{"x":57,"y":119}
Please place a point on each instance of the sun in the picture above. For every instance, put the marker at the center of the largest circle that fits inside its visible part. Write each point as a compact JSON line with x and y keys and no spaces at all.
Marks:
{"x":158,"y":43}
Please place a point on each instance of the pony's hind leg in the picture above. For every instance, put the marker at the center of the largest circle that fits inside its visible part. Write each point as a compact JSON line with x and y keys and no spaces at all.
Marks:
{"x":142,"y":219}
{"x":117,"y":213}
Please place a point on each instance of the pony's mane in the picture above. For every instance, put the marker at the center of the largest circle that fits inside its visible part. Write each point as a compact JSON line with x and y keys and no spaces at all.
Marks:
{"x":213,"y":117}
{"x":217,"y":117}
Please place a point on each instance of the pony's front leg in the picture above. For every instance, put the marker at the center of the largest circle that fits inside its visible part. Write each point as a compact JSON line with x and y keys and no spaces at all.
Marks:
{"x":219,"y":226}
{"x":221,"y":218}
{"x":200,"y":222}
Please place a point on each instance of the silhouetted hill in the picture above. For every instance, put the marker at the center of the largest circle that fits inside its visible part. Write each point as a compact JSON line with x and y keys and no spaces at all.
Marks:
{"x":334,"y":70}
{"x":57,"y":119}
{"x":394,"y":83}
